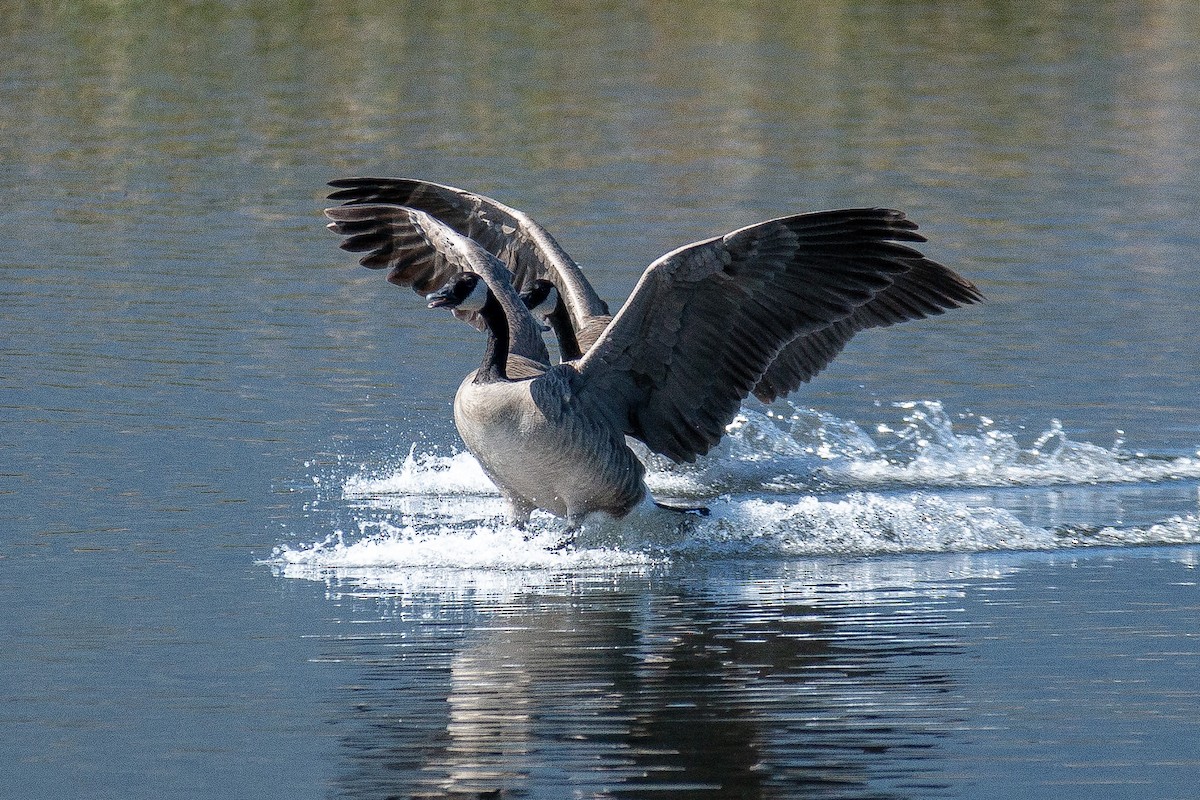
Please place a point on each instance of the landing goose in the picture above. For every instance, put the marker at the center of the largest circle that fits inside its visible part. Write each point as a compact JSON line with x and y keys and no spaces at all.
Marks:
{"x":546,"y":275}
{"x":701,"y":330}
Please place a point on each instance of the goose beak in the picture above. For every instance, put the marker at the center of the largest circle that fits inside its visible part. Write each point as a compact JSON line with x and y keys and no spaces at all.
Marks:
{"x":442,"y":298}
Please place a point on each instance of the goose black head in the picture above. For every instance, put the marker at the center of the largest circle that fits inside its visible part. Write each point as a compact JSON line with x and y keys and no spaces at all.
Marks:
{"x":466,"y":291}
{"x":541,"y":298}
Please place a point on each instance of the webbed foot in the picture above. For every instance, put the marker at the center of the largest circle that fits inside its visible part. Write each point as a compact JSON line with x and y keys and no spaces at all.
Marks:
{"x":699,"y":511}
{"x":574,"y":523}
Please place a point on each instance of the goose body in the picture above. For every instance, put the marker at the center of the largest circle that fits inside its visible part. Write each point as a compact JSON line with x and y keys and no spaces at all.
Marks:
{"x":759,"y":310}
{"x":536,"y":443}
{"x":532,"y":443}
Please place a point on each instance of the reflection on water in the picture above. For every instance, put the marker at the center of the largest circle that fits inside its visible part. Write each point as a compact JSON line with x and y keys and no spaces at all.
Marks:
{"x":772,"y":691}
{"x":892,"y":678}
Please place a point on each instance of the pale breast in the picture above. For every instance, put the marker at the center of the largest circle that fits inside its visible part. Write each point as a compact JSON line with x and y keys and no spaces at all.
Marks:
{"x":543,"y":451}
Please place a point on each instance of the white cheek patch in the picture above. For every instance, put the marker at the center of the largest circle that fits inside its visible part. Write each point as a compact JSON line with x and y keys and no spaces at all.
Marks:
{"x":546,"y":307}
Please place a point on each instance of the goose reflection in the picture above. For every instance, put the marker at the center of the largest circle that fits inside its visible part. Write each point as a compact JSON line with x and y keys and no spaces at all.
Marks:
{"x":671,"y":694}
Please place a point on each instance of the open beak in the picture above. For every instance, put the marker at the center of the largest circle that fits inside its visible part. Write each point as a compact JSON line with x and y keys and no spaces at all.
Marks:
{"x":441,"y":299}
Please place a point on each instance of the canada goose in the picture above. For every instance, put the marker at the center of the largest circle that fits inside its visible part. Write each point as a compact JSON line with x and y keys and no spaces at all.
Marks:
{"x":701,"y":330}
{"x":422,"y":251}
{"x":548,"y":278}
{"x":578,"y":316}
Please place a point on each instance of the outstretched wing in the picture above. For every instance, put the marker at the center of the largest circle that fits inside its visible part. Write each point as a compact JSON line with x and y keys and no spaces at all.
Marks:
{"x":705,"y":321}
{"x":926,"y":290}
{"x":518,"y":241}
{"x":421,"y":252}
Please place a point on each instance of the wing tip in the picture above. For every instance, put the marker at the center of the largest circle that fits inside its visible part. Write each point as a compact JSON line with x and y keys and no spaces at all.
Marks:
{"x":358,"y":189}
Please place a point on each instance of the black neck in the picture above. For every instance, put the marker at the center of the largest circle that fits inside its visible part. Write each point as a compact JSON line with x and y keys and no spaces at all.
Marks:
{"x":495,"y":357}
{"x":560,"y":321}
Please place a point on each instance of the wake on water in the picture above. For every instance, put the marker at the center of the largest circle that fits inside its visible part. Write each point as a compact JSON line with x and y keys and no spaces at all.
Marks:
{"x":778,"y":486}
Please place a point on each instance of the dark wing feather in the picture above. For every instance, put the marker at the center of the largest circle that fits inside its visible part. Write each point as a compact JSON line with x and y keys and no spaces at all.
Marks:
{"x":705,"y":321}
{"x":421,"y":252}
{"x":518,"y":241}
{"x":926,"y":290}
{"x":403,"y":241}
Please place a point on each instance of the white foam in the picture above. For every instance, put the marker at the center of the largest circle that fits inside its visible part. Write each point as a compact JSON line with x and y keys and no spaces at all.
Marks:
{"x":498,"y":546}
{"x":809,"y":450}
{"x":863,"y":524}
{"x":859,"y":524}
{"x":779,"y":486}
{"x":425,"y":474}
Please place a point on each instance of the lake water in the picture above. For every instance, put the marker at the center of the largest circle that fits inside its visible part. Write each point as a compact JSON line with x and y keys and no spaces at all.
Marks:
{"x":243,"y":555}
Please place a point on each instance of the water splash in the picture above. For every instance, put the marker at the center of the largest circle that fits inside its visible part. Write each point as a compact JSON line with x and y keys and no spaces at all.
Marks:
{"x":779,"y":486}
{"x":425,"y":474}
{"x":380,"y":544}
{"x":808,"y":450}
